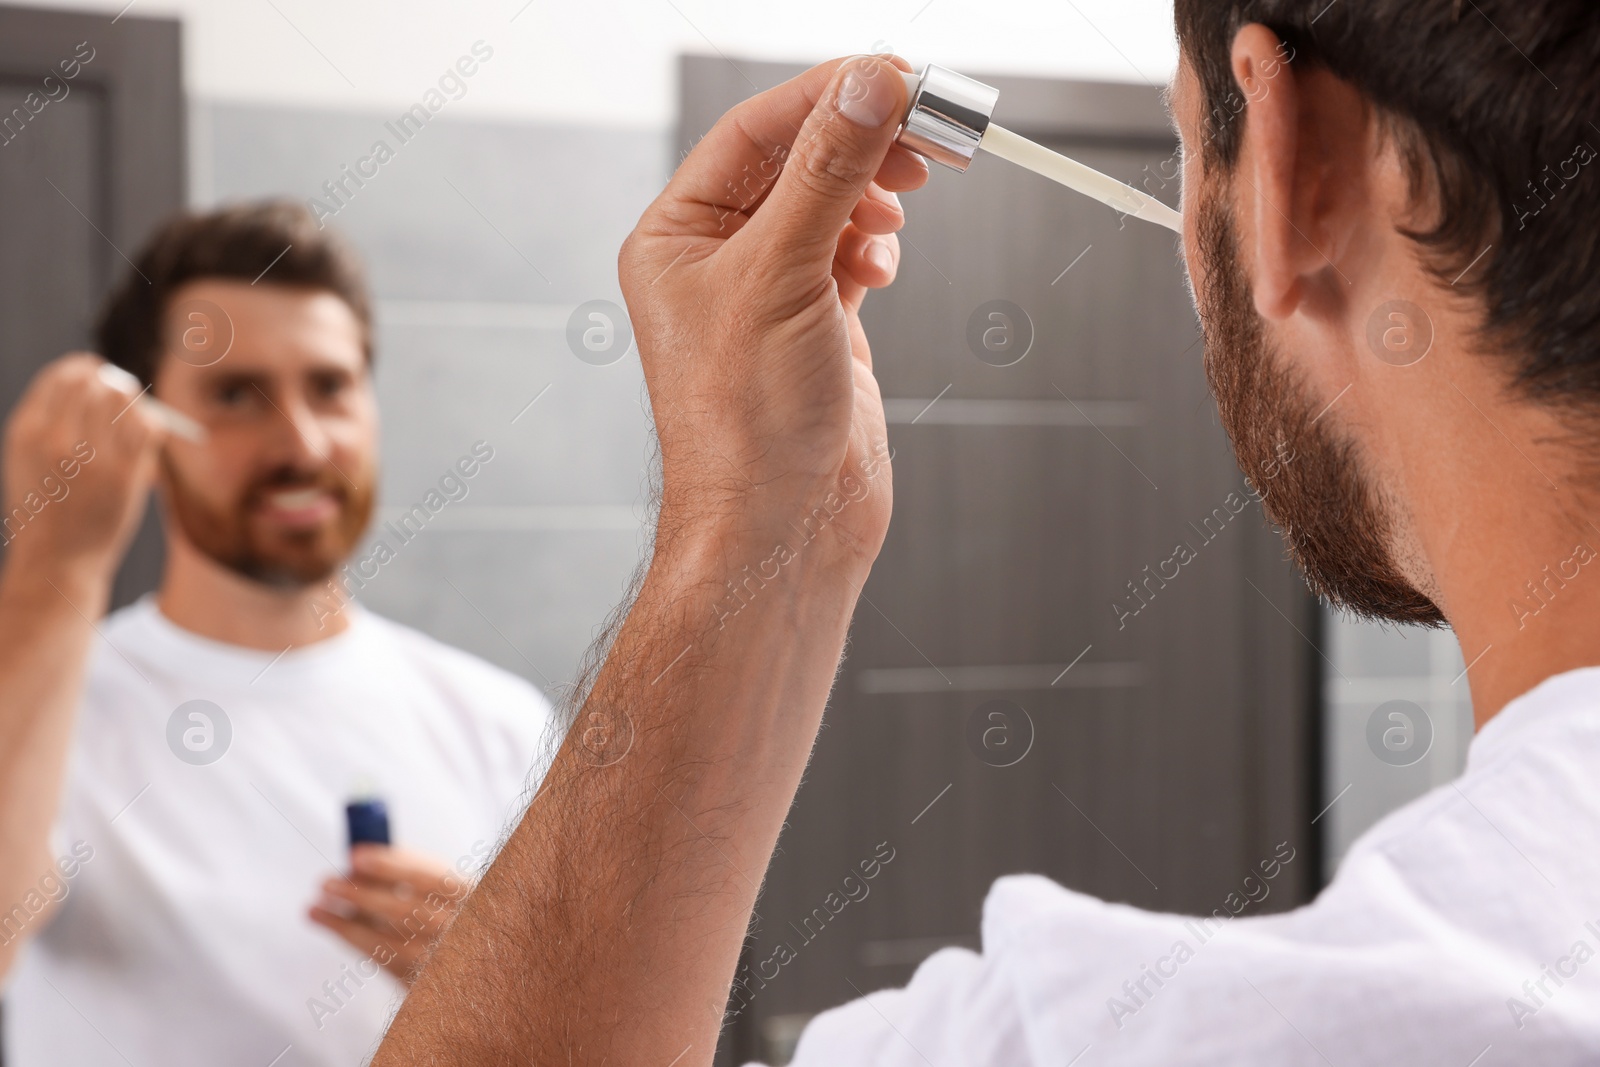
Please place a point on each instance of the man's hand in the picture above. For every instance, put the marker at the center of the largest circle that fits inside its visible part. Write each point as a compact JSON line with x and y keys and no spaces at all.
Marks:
{"x":608,"y":928}
{"x":744,"y":280}
{"x":80,"y":459}
{"x":393,"y":907}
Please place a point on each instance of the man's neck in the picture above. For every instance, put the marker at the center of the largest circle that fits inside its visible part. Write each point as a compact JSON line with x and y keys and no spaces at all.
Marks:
{"x":1513,"y":544}
{"x":203,"y":597}
{"x":1535,"y":617}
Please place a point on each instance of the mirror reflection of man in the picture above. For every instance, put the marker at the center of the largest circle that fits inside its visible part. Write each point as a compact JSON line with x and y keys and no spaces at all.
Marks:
{"x":173,"y":777}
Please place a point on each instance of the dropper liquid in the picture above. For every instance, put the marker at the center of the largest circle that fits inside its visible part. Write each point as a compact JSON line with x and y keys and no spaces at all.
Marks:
{"x":999,"y":141}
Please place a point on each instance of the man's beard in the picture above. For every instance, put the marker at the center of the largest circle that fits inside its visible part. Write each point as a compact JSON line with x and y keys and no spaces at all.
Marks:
{"x":285,"y":559}
{"x":1337,"y":526}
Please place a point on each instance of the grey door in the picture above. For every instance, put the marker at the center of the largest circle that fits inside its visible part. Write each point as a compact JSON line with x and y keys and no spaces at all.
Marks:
{"x":1039,"y":678}
{"x":88,"y":165}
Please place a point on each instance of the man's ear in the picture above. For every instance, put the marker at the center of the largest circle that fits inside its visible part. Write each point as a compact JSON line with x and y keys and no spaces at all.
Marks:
{"x":1265,"y":190}
{"x":1280,"y":193}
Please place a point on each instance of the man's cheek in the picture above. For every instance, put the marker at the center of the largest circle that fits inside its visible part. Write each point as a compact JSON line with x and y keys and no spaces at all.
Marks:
{"x":1191,"y":184}
{"x":205,"y":486}
{"x":1193,"y":261}
{"x":1200,"y":196}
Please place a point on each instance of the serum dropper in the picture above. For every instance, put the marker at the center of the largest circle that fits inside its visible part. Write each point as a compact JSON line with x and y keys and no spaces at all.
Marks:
{"x":948,"y":120}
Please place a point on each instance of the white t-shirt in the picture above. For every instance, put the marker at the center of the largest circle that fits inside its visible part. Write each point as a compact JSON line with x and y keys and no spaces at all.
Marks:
{"x":1461,"y":930}
{"x":183,"y":939}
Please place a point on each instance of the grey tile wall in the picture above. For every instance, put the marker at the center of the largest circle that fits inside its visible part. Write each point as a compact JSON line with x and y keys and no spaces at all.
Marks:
{"x":480,"y":239}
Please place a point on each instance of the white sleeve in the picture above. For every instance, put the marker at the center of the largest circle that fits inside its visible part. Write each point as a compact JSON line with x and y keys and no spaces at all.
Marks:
{"x":958,"y":1009}
{"x":1378,"y":970}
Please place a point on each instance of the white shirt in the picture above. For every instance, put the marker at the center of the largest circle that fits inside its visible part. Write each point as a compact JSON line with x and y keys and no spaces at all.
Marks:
{"x":183,"y":939}
{"x":1461,"y":930}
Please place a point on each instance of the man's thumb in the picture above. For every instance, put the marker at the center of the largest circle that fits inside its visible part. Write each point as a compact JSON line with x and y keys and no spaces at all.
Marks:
{"x":838,"y":150}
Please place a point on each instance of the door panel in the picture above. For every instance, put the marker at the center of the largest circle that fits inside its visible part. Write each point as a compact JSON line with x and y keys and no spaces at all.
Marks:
{"x":83,"y":181}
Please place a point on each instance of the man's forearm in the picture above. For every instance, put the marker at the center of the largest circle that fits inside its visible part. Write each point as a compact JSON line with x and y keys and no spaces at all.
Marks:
{"x":610,"y":925}
{"x":608,"y":928}
{"x":45,"y":636}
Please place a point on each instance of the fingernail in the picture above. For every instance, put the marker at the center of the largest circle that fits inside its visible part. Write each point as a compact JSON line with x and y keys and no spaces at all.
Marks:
{"x":879,"y":256}
{"x":867,"y":98}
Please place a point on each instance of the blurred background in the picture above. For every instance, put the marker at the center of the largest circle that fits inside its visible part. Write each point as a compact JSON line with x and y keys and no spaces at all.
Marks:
{"x":1028,"y":686}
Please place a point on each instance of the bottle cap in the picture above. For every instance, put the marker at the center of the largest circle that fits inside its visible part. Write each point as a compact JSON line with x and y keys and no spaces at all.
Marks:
{"x":367,"y":819}
{"x":947,"y":115}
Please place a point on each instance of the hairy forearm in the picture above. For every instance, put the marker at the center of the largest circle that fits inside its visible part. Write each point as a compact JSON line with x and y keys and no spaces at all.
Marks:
{"x":45,"y":637}
{"x":609,"y":927}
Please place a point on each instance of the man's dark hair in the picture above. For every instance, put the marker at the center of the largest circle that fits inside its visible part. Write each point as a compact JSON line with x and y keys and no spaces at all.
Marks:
{"x":1493,"y":105}
{"x":274,"y":241}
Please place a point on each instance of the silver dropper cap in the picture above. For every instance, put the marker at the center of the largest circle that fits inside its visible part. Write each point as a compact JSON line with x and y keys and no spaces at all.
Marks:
{"x":947,"y":115}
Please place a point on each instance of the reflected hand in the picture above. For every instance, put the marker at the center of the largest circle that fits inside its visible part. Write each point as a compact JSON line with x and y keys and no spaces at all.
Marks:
{"x":393,"y":907}
{"x":79,"y":462}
